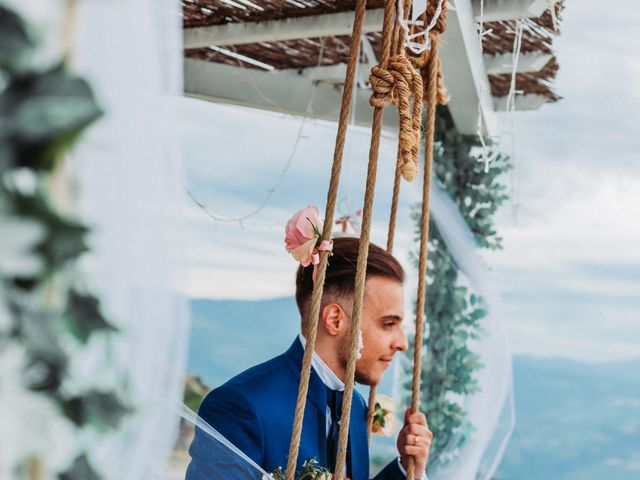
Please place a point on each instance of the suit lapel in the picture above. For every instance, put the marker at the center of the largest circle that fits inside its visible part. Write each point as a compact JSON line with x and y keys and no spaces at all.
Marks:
{"x":316,"y":396}
{"x":358,"y":443}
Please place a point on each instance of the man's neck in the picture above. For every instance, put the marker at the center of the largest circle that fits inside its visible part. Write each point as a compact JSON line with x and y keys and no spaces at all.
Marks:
{"x":326,"y":374}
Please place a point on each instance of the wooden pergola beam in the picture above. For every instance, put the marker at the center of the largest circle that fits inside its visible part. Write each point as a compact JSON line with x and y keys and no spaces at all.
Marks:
{"x":527,"y":62}
{"x":498,"y":10}
{"x":494,"y":65}
{"x":465,"y":69}
{"x":331,"y":24}
{"x":280,"y":91}
{"x":465,"y":75}
{"x":312,"y":26}
{"x":529,"y":101}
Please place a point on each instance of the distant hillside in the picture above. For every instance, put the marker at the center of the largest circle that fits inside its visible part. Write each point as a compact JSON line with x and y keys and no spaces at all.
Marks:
{"x":575,"y":421}
{"x":228,"y":336}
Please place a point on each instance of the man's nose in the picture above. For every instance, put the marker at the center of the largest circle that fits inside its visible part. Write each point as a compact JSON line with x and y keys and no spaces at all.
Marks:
{"x":401,"y":343}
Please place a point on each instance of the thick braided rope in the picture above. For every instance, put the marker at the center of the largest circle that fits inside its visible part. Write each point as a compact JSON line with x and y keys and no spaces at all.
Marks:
{"x":397,"y":84}
{"x":393,"y":215}
{"x":442,"y":96}
{"x":363,"y":253}
{"x":440,"y":26}
{"x":424,"y":231}
{"x":422,"y":61}
{"x":390,"y":239}
{"x":318,"y":287}
{"x":397,"y":46}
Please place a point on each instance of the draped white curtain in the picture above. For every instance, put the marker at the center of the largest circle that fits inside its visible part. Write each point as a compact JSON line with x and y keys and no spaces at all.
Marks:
{"x":491,"y":410}
{"x":129,"y":180}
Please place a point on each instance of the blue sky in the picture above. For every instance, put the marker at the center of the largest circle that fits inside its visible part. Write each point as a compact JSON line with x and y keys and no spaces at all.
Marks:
{"x":570,"y":270}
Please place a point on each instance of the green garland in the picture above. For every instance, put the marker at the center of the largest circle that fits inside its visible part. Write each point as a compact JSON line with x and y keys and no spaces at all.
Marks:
{"x":453,"y":311}
{"x":49,"y":317}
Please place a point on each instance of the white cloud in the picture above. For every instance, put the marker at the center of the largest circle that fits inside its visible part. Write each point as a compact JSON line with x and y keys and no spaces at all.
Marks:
{"x":570,"y":274}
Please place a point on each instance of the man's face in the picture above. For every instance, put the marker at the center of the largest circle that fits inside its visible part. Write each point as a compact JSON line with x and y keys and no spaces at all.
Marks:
{"x":381,"y":325}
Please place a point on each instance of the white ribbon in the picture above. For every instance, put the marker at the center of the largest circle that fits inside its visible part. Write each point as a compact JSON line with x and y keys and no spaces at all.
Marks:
{"x":416,"y":47}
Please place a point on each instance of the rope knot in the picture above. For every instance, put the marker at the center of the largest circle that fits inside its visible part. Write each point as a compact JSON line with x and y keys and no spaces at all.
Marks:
{"x":396,"y":85}
{"x":382,"y":83}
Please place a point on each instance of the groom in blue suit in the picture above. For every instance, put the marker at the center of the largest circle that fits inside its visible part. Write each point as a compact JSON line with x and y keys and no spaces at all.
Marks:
{"x":255,"y":409}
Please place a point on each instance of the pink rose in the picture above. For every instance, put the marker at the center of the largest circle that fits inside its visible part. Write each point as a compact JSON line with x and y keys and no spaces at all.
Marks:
{"x":302,"y":236}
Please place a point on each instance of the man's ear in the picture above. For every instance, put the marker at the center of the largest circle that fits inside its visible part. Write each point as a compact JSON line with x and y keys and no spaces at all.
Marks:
{"x":333,"y":319}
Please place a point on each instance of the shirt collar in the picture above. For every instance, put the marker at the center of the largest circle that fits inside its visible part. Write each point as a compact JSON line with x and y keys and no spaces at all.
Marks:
{"x":322,"y":369}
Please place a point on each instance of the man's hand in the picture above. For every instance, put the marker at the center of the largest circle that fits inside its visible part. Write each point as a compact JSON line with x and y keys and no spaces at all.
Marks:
{"x":414,"y":440}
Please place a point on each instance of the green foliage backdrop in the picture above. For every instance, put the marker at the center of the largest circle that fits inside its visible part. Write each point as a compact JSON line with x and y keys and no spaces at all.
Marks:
{"x":49,"y":315}
{"x":453,"y":311}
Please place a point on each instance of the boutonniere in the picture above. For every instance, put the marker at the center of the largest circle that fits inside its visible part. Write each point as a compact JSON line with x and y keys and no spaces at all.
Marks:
{"x":384,"y":418}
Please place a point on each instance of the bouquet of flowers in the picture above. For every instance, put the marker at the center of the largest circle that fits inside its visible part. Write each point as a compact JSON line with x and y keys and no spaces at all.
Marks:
{"x":310,"y":471}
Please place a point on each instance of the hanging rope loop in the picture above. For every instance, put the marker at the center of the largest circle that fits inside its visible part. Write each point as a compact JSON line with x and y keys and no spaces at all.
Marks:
{"x":397,"y":85}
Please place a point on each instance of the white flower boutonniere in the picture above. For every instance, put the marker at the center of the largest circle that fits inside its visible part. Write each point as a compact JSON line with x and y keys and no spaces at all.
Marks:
{"x":384,"y":416}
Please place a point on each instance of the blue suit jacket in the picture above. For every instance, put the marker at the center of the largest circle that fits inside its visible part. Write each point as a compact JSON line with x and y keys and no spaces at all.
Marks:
{"x":255,"y":411}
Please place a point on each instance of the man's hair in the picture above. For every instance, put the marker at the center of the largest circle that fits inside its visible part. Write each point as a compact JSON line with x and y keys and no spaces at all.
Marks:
{"x":341,"y":273}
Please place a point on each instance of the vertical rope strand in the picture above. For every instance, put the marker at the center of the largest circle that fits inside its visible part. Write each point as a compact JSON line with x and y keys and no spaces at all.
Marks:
{"x":424,"y":231}
{"x":397,"y":48}
{"x":393,"y":215}
{"x":363,"y":252}
{"x":390,"y":239}
{"x":318,"y":287}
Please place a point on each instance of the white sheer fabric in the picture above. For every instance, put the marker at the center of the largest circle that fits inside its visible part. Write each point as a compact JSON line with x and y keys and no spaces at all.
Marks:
{"x":129,"y":180}
{"x":491,"y":410}
{"x":215,"y":457}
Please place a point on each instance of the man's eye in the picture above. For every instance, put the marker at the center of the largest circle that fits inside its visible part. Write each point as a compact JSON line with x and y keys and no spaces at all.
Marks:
{"x":389,"y":324}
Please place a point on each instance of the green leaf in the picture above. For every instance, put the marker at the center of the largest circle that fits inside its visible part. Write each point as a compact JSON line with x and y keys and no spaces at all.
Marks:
{"x":278,"y":474}
{"x":83,"y":316}
{"x":454,"y":313}
{"x":47,"y":361}
{"x":43,"y":112}
{"x":44,"y":371}
{"x":15,"y":40}
{"x":103,"y":410}
{"x":65,"y":238}
{"x":81,"y":469}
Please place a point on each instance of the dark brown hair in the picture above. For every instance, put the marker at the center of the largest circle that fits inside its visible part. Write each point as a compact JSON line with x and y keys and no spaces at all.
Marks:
{"x":341,"y":272}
